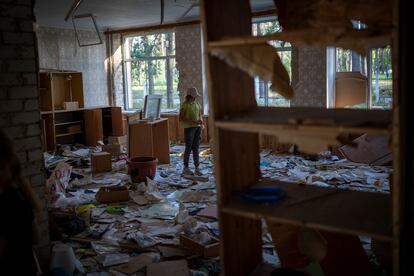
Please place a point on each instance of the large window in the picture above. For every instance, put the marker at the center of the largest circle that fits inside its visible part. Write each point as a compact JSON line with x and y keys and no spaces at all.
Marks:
{"x":265,"y":96}
{"x":149,"y":62}
{"x":375,"y":66}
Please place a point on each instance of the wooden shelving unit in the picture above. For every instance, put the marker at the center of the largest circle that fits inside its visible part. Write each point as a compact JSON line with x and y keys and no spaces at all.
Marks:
{"x":307,"y":127}
{"x":68,"y":134}
{"x":67,"y":123}
{"x":93,"y":123}
{"x":337,"y":210}
{"x":237,"y":122}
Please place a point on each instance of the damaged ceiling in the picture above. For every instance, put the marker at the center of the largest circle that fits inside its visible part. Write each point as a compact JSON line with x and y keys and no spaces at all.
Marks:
{"x":119,"y":14}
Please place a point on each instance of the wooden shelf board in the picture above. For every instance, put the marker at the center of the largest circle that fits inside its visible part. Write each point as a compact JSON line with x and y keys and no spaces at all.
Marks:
{"x":299,"y":38}
{"x":68,"y":123}
{"x":311,"y":128}
{"x":73,"y":110}
{"x":69,"y":110}
{"x":68,"y":134}
{"x":245,"y":40}
{"x":330,"y":209}
{"x":297,"y":117}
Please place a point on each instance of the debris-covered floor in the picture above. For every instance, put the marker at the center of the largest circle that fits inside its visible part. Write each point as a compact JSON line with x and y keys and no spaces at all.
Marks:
{"x":169,"y":225}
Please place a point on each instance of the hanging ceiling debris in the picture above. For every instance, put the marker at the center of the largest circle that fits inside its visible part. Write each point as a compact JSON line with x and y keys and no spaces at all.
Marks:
{"x":78,"y":17}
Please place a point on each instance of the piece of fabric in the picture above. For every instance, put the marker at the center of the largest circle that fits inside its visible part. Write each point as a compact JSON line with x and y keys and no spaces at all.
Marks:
{"x":192,"y":138}
{"x":260,"y":60}
{"x":191,"y":112}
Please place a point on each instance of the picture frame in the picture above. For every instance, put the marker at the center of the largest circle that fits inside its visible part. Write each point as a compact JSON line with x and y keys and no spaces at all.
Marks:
{"x":152,"y":107}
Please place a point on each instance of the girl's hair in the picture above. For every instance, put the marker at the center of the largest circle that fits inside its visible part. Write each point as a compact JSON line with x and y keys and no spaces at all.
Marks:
{"x":10,"y":165}
{"x":188,"y":98}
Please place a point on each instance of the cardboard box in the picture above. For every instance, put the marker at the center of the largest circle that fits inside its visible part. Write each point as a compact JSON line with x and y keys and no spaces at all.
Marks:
{"x":206,"y":251}
{"x":117,"y":140}
{"x":70,"y":105}
{"x":114,"y":150}
{"x":101,"y":162}
{"x":112,"y":194}
{"x":74,"y":128}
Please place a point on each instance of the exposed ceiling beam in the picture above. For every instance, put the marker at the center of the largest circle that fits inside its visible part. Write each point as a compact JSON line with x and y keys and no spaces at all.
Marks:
{"x":264,"y":13}
{"x":152,"y":27}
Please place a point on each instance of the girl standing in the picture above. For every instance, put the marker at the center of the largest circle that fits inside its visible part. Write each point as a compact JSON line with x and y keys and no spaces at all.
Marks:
{"x":191,"y":118}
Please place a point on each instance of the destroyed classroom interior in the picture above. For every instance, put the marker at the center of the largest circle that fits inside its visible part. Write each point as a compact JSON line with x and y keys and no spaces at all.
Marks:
{"x":205,"y":137}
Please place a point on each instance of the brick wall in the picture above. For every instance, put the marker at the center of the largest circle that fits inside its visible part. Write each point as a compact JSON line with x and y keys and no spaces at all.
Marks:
{"x":19,"y":99}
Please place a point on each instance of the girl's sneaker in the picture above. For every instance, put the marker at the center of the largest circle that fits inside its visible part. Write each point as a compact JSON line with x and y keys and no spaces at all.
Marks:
{"x":187,"y":171}
{"x":198,"y":172}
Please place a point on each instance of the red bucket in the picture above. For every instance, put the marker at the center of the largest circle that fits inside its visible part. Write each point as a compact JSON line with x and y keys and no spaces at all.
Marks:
{"x":139,"y":168}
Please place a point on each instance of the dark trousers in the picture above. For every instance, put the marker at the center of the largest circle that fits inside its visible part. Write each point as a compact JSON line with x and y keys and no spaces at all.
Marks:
{"x":192,"y":138}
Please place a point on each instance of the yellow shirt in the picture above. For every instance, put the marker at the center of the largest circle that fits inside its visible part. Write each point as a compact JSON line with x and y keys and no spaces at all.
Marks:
{"x":192,"y":112}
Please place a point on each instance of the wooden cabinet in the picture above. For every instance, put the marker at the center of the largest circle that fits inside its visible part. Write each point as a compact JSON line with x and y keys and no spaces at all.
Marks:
{"x":93,"y":124}
{"x":83,"y":126}
{"x":66,"y":124}
{"x":112,"y":121}
{"x":149,"y":138}
{"x":58,"y":88}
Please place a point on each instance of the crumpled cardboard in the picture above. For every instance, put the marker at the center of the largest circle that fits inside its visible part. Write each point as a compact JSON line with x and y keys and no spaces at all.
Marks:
{"x":112,"y":194}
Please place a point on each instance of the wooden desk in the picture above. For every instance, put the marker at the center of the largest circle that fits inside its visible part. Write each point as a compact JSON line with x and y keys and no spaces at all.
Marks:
{"x":149,"y":138}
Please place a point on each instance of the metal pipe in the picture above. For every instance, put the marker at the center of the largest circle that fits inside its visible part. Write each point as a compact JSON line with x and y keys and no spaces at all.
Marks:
{"x":72,"y":10}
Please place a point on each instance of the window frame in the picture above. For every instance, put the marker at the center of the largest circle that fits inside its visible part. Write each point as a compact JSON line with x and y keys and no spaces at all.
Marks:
{"x":332,"y":91}
{"x":125,"y":62}
{"x":257,"y":21}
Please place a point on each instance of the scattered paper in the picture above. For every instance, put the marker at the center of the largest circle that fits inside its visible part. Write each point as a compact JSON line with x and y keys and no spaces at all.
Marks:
{"x":169,"y":268}
{"x":113,"y":259}
{"x":209,"y":212}
{"x":142,"y":240}
{"x":161,"y":210}
{"x":135,"y":264}
{"x":169,"y":251}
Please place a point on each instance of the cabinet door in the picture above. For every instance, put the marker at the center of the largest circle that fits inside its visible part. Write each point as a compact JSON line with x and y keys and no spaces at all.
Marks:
{"x":93,"y":126}
{"x":161,"y":143}
{"x":45,"y":92}
{"x":48,"y":130}
{"x":140,"y":140}
{"x":117,"y":123}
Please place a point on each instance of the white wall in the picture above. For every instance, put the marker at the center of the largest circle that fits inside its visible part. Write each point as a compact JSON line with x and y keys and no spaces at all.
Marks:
{"x":58,"y":49}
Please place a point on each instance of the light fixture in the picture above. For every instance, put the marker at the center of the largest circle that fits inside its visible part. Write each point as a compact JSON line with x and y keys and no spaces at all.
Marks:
{"x":92,"y":17}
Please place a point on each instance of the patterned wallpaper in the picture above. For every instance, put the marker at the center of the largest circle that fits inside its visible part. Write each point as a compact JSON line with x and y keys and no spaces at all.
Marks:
{"x":309,"y":77}
{"x":58,"y":49}
{"x":188,"y":58}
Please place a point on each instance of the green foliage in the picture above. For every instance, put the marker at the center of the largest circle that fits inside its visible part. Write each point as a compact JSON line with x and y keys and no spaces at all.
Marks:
{"x":285,"y":53}
{"x":152,"y":69}
{"x":380,"y":72}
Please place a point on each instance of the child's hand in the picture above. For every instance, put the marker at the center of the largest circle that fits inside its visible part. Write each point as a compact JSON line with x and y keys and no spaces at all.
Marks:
{"x":197,"y":122}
